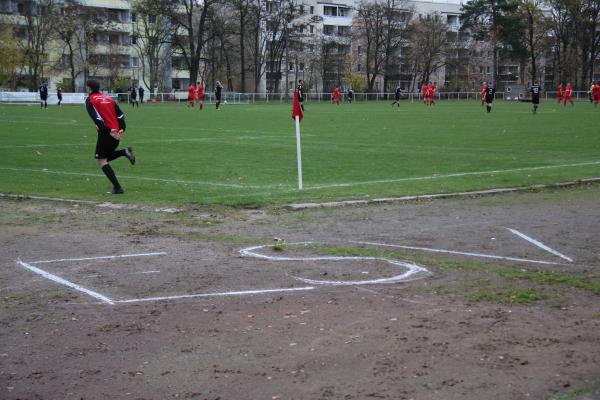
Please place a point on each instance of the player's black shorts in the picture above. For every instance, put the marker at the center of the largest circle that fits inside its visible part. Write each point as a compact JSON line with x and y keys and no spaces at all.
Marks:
{"x":43,"y":98}
{"x":105,"y":145}
{"x":489,"y":99}
{"x":535,"y":99}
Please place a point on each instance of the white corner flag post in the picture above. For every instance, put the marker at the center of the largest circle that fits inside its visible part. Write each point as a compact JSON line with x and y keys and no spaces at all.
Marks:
{"x":299,"y":152}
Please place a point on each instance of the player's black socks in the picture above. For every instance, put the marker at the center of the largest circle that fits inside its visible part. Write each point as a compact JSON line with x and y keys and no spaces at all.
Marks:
{"x":116,"y":154}
{"x":110,"y":174}
{"x":488,"y":108}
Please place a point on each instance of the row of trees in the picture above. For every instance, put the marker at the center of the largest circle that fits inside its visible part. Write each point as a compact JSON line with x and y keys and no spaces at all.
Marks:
{"x":246,"y":42}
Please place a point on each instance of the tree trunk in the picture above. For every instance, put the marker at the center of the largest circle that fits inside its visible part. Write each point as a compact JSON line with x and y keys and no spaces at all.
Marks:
{"x":242,"y":47}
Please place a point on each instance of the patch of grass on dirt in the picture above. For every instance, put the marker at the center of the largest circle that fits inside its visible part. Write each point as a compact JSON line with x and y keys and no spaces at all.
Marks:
{"x":277,"y":247}
{"x":508,"y":296}
{"x":583,"y":281}
{"x":575,"y":394}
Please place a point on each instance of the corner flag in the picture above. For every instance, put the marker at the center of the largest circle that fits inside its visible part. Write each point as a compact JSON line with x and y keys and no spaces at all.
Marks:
{"x":297,"y":116}
{"x":296,"y":110}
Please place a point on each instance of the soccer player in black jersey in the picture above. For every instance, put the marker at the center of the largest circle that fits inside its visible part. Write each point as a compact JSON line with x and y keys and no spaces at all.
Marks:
{"x":44,"y":95}
{"x":59,"y":95}
{"x":218,"y":93}
{"x":133,"y":96}
{"x":300,"y":90}
{"x":398,"y":94}
{"x":489,"y":96}
{"x":535,"y":96}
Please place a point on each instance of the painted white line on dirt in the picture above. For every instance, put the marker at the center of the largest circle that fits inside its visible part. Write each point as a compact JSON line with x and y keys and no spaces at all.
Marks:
{"x":65,"y":282}
{"x":162,"y":253}
{"x":413,"y":271}
{"x":462,"y":253}
{"x":458,"y":174}
{"x":239,"y":293}
{"x":539,"y":244}
{"x":147,"y":272}
{"x":144,"y":178}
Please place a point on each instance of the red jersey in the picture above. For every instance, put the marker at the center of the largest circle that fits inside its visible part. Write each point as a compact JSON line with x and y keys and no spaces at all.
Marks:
{"x":192,"y":92}
{"x":559,"y":90}
{"x":431,"y":91}
{"x":200,"y":90}
{"x":336,"y":93}
{"x":484,"y":90}
{"x":568,"y":91}
{"x":425,"y":90}
{"x":596,"y":92}
{"x":105,"y":112}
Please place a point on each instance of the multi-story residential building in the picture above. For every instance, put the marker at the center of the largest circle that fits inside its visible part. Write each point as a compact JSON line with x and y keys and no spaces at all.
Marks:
{"x":322,"y":50}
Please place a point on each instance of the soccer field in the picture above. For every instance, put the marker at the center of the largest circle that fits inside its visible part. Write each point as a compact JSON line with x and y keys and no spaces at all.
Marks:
{"x":245,"y":155}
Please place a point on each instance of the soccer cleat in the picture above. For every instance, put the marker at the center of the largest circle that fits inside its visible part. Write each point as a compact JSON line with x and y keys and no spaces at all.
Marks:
{"x":130,"y":156}
{"x":117,"y":191}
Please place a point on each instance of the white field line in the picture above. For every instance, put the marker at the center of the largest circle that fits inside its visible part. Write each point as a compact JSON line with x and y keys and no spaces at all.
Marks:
{"x":462,"y":253}
{"x":238,"y":293}
{"x":454,"y":175}
{"x":65,"y":282}
{"x":147,"y":141}
{"x":143,"y":178}
{"x":413,"y":271}
{"x":162,"y":253}
{"x":540,"y":244}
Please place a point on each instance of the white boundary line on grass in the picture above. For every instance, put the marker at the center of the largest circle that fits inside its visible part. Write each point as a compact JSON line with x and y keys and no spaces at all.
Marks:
{"x":65,"y":282}
{"x":162,"y":253}
{"x":539,"y":244}
{"x":413,"y":271}
{"x":143,"y":178}
{"x":462,"y":253}
{"x":454,"y":175}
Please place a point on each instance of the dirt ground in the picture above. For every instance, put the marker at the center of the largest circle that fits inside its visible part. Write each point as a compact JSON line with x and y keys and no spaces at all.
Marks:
{"x":470,"y":328}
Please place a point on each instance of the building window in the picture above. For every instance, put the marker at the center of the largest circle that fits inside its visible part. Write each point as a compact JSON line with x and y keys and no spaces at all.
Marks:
{"x":328,"y":29}
{"x":133,"y":17}
{"x":359,"y":67}
{"x":135,"y":62}
{"x":301,"y":67}
{"x":312,"y":29}
{"x":301,"y":8}
{"x":344,"y":30}
{"x":344,"y":12}
{"x":359,"y":49}
{"x":312,"y":9}
{"x":487,"y":70}
{"x":330,"y":11}
{"x":133,"y":39}
{"x":291,"y":67}
{"x":152,"y":19}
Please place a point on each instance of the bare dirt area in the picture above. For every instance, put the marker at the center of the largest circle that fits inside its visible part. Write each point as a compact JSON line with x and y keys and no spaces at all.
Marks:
{"x":479,"y":298}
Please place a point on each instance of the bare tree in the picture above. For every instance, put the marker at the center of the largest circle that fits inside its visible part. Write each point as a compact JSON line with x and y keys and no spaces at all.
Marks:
{"x":370,"y":28}
{"x":190,"y":18}
{"x":40,"y":17}
{"x":152,"y":33}
{"x":430,"y":49}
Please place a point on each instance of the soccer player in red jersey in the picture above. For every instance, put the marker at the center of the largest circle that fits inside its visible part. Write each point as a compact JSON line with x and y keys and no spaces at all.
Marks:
{"x":568,"y":94}
{"x":110,"y":124}
{"x":596,"y":94}
{"x":483,"y":93}
{"x":559,"y":93}
{"x":191,"y":95}
{"x":431,"y":93}
{"x":200,"y":90}
{"x":336,"y":96}
{"x":425,"y":93}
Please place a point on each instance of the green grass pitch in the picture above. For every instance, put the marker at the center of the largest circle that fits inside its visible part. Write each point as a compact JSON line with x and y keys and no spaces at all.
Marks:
{"x":245,"y":155}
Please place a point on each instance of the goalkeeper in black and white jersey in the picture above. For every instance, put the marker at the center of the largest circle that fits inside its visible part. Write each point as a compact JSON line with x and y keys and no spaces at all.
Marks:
{"x":535,"y":96}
